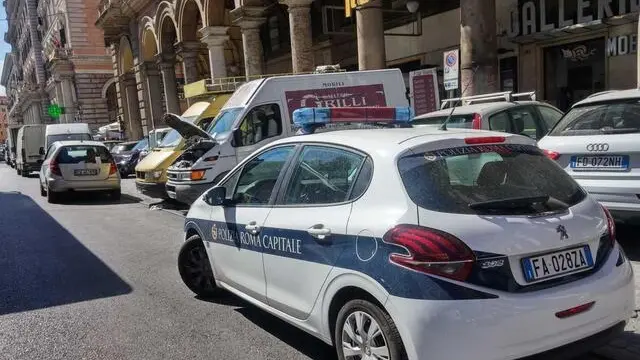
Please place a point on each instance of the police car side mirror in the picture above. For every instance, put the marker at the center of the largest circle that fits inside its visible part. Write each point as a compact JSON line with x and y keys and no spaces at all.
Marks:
{"x":216,"y":196}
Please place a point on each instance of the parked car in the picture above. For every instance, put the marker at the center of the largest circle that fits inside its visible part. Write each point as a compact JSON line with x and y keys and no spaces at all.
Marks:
{"x":398,"y":243}
{"x":12,"y":138}
{"x":598,"y":143}
{"x":29,"y":149}
{"x":127,"y":154}
{"x":78,"y":166}
{"x":497,"y":112}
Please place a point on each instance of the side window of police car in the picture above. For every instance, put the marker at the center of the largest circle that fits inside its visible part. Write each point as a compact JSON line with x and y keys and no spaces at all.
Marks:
{"x":261,"y":122}
{"x":323,"y":175}
{"x":254,"y":184}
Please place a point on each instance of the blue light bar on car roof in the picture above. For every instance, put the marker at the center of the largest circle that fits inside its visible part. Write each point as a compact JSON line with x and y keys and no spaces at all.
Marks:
{"x":307,"y":118}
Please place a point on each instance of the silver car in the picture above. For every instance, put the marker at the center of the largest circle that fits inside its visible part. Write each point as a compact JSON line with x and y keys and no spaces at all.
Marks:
{"x":598,"y":143}
{"x":497,"y":112}
{"x":78,"y":166}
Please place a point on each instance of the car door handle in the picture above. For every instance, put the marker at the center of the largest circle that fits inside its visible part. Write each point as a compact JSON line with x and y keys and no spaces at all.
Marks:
{"x":319,"y":232}
{"x":253,"y":228}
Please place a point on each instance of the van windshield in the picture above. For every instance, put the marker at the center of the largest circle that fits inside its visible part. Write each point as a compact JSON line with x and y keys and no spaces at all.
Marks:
{"x":173,"y":138}
{"x":65,"y":137}
{"x":224,"y":121}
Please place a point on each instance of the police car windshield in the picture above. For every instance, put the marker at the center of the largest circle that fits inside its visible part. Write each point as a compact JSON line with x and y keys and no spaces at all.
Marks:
{"x":619,"y":117}
{"x":224,"y":122}
{"x":488,"y":179}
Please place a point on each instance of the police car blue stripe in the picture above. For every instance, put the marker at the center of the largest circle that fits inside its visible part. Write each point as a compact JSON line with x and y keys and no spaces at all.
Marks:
{"x":343,"y":251}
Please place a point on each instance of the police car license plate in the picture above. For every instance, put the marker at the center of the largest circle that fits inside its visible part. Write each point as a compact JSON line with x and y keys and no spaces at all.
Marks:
{"x":85,"y":172}
{"x":601,"y":162}
{"x":557,"y":263}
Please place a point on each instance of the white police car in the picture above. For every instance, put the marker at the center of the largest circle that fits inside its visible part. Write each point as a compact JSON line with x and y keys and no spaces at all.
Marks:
{"x":412,"y":243}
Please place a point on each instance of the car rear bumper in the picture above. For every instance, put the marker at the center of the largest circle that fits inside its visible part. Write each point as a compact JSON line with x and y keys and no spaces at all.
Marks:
{"x":617,"y":196}
{"x":60,"y":185}
{"x":186,"y":193}
{"x":154,"y":190}
{"x":515,"y":326}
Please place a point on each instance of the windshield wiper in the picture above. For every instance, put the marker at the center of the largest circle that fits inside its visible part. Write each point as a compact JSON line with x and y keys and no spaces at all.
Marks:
{"x":510,"y":203}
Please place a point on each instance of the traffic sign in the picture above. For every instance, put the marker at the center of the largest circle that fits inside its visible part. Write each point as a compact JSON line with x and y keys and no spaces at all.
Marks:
{"x":451,"y":69}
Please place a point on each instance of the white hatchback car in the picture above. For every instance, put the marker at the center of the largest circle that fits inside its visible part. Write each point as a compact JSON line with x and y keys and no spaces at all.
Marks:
{"x":78,"y":166}
{"x":491,"y":112}
{"x":598,"y":143}
{"x":412,"y":243}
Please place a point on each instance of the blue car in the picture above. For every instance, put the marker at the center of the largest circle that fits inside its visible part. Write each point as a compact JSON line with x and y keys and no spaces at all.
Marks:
{"x":127,"y":154}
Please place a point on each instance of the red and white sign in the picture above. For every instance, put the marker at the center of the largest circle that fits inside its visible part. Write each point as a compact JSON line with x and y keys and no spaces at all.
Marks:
{"x":346,"y":96}
{"x":425,"y":97}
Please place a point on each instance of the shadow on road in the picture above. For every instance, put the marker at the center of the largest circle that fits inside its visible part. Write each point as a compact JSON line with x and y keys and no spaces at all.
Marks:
{"x":292,"y":336}
{"x":97,"y":198}
{"x":43,"y":265}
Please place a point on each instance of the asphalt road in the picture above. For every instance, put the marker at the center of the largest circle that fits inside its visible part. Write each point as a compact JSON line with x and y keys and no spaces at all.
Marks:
{"x":97,"y":279}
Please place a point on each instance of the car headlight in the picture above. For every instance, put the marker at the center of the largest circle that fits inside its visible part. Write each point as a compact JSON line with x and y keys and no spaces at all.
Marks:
{"x":157,"y":174}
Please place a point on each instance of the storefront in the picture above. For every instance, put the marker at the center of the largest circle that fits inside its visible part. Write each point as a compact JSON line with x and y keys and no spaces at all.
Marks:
{"x":571,"y":49}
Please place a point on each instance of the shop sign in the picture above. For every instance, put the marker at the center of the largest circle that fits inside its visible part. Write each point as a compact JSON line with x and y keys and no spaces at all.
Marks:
{"x":622,"y":45}
{"x":533,"y":16}
{"x":423,"y":87}
{"x":578,"y":53}
{"x":451,"y":69}
{"x":338,"y":96}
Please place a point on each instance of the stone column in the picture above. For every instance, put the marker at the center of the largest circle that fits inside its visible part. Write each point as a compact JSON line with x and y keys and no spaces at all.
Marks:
{"x":478,"y":47}
{"x":250,"y":18}
{"x":68,"y":98}
{"x":370,"y":36}
{"x":215,"y":37}
{"x":300,"y":29}
{"x":189,"y":53}
{"x":168,"y":69}
{"x":154,"y":95}
{"x":134,"y":127}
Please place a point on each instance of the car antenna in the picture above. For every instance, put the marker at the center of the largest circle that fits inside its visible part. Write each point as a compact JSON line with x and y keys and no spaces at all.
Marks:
{"x":474,"y":68}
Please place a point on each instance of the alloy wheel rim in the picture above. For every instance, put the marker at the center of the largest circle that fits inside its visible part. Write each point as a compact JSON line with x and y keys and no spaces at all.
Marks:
{"x":197,"y":269}
{"x":362,"y":338}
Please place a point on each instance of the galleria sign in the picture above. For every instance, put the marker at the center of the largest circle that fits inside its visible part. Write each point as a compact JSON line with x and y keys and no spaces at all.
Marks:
{"x":545,"y":15}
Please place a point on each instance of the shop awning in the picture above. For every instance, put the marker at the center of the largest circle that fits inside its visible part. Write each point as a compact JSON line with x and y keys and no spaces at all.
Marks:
{"x":577,"y":29}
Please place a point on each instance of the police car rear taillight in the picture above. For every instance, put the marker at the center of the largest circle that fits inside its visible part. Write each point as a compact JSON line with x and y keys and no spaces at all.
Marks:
{"x":430,"y":251}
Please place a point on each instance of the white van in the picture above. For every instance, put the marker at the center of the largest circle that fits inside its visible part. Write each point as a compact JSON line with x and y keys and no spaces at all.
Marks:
{"x":260,"y":112}
{"x":66,"y":132}
{"x":29,"y":149}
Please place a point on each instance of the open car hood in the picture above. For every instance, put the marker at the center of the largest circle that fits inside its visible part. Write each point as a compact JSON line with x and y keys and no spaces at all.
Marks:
{"x":185,"y":128}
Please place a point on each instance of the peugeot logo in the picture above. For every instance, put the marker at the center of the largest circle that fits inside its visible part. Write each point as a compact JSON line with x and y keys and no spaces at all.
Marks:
{"x":562,"y":231}
{"x":598,"y":147}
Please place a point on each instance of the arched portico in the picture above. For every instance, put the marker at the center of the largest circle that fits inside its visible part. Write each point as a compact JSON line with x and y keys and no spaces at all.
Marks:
{"x":128,"y":90}
{"x":167,"y":37}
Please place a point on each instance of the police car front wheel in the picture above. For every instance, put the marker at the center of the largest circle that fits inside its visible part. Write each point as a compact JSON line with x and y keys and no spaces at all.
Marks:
{"x":364,"y":331}
{"x":195,"y":268}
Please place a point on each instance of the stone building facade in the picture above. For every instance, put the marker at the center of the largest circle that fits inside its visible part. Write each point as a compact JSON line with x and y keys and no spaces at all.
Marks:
{"x":4,"y":103}
{"x":505,"y":45}
{"x":65,"y":63}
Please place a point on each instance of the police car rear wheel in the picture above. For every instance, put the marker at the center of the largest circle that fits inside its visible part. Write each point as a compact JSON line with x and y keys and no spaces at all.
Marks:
{"x":195,"y":268}
{"x":364,"y":331}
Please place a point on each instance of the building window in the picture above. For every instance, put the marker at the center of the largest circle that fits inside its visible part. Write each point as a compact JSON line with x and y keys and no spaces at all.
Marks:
{"x":509,"y":74}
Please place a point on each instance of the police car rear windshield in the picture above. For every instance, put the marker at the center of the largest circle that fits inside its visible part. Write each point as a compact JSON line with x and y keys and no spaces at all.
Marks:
{"x":613,"y":117}
{"x":488,"y":179}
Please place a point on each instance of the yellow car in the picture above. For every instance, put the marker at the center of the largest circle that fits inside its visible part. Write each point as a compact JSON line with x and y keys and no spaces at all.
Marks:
{"x":151,"y":172}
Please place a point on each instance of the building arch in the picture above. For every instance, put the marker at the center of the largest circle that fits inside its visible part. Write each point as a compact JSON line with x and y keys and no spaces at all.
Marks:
{"x":215,"y":13}
{"x":125,"y":56}
{"x":166,"y":28}
{"x":148,"y":39}
{"x":107,"y":84}
{"x":190,"y":19}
